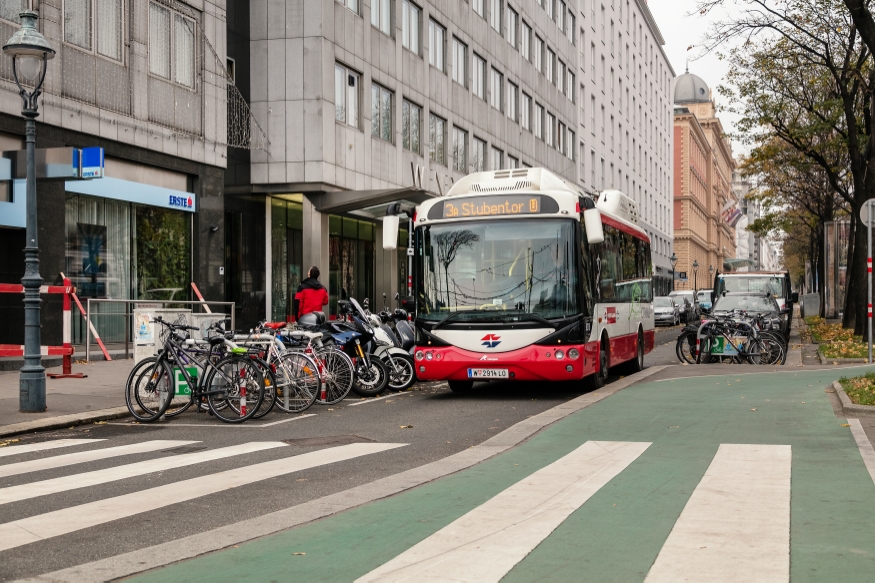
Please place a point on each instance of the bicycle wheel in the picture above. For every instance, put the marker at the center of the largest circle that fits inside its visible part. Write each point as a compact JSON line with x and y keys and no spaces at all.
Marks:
{"x":235,"y":388}
{"x":270,"y":394}
{"x":685,"y":349}
{"x":337,"y":375}
{"x":766,"y":350}
{"x":149,"y":389}
{"x":298,"y":383}
{"x":704,"y":356}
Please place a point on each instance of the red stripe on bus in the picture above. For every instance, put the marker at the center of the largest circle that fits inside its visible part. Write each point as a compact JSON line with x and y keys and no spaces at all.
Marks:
{"x":628,"y":229}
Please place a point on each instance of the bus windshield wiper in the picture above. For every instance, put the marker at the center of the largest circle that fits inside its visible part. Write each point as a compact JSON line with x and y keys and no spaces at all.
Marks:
{"x":453,"y":315}
{"x":539,"y":319}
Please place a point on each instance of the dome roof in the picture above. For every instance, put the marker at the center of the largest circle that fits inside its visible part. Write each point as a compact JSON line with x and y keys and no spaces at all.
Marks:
{"x":691,"y":89}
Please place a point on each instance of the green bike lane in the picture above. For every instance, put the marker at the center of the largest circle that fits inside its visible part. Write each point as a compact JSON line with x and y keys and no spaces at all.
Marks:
{"x":617,"y":533}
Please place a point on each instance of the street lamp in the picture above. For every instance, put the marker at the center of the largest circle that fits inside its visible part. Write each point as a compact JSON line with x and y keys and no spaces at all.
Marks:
{"x":674,"y":260}
{"x":695,"y":269}
{"x":30,"y":53}
{"x":711,"y":271}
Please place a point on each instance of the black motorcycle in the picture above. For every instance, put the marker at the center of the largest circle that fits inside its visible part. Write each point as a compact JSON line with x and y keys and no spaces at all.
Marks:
{"x":352,"y":333}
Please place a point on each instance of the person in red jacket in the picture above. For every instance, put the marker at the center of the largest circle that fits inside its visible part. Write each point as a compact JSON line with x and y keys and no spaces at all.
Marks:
{"x":311,"y":295}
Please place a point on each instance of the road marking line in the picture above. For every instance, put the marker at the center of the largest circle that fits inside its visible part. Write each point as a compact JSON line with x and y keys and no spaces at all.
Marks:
{"x":87,"y":456}
{"x":866,"y":449}
{"x":32,"y":447}
{"x":287,"y":420}
{"x":75,"y":481}
{"x":486,"y":543}
{"x":744,"y":374}
{"x":60,"y":522}
{"x":736,"y":524}
{"x":366,"y":401}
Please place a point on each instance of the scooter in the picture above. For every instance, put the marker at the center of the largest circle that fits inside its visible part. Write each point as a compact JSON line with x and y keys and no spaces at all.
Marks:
{"x":352,"y":334}
{"x":400,"y":326}
{"x":386,"y":347}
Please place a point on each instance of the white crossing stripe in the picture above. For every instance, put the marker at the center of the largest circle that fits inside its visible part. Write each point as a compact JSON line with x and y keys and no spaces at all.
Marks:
{"x":486,"y":543}
{"x":32,"y":447}
{"x":60,"y":522}
{"x":72,"y":482}
{"x":87,"y":456}
{"x":736,"y":525}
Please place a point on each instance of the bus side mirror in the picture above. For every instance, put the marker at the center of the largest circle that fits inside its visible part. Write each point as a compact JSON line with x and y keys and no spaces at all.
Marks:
{"x":390,"y":232}
{"x":592,"y":221}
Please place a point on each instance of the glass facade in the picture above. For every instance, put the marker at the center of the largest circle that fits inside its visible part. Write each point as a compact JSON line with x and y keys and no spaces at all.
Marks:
{"x":121,"y":250}
{"x":287,"y":270}
{"x":352,"y":245}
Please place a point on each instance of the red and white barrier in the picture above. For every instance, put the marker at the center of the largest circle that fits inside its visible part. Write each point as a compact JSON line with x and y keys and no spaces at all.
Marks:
{"x":93,"y":329}
{"x":67,"y":349}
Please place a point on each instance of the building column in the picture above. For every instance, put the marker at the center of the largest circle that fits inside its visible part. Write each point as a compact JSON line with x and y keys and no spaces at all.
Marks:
{"x":315,"y":237}
{"x":386,"y":272}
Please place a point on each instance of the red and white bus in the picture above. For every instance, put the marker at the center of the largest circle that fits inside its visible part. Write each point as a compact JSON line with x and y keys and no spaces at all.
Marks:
{"x":518,"y":274}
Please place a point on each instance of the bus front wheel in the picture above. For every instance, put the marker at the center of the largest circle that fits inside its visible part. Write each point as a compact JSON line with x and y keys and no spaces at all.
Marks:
{"x":597,"y":380}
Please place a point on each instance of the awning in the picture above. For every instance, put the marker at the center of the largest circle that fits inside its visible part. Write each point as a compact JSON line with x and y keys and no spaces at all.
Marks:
{"x":370,"y":203}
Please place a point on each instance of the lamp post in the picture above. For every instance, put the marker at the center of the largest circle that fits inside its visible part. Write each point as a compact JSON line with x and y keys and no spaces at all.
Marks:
{"x":695,"y":269}
{"x":674,"y":260}
{"x":30,"y":53}
{"x":711,"y":271}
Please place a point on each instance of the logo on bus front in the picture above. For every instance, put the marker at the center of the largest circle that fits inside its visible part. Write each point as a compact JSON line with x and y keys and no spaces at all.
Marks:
{"x":491,"y":340}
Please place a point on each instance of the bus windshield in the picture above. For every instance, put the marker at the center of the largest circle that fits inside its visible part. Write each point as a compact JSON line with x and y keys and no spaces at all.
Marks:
{"x":752,"y":284}
{"x":498,"y":271}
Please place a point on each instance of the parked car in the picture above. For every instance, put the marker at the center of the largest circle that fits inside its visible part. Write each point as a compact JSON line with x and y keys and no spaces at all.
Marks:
{"x":776,"y":283}
{"x":689,"y":307}
{"x":666,"y":311}
{"x":703,"y":296}
{"x":752,"y":303}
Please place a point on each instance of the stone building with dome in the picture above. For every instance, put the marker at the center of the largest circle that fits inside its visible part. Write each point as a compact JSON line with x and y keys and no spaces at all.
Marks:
{"x":703,"y":195}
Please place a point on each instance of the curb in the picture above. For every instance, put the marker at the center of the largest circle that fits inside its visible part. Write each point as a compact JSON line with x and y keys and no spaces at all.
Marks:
{"x":849,"y":409}
{"x":825,"y":360}
{"x":63,"y":421}
{"x":164,"y":554}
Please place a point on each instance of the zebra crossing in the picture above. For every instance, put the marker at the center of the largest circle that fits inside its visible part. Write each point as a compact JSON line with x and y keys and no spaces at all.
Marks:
{"x":40,"y":527}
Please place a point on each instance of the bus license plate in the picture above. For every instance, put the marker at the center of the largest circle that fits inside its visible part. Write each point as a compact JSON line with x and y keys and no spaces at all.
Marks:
{"x":487,"y":373}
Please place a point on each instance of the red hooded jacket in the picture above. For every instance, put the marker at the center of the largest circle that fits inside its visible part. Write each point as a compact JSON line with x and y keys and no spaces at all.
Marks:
{"x":311,"y":296}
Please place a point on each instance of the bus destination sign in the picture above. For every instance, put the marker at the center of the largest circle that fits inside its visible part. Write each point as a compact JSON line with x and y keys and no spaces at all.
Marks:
{"x":490,"y":206}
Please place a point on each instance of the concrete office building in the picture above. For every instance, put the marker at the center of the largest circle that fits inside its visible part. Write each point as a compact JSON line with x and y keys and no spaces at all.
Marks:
{"x":371,"y":101}
{"x":626,"y":116}
{"x":143,"y":80}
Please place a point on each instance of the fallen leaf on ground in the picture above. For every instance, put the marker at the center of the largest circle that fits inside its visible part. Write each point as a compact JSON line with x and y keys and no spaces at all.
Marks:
{"x":754,"y":409}
{"x":406,"y":426}
{"x":846,"y":424}
{"x":100,"y":422}
{"x":299,"y":554}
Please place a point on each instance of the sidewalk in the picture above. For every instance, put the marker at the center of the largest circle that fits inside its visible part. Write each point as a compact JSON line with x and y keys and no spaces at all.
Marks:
{"x":69,"y":401}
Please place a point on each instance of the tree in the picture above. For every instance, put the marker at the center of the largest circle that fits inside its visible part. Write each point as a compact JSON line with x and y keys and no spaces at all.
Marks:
{"x":448,"y":244}
{"x":802,"y":73}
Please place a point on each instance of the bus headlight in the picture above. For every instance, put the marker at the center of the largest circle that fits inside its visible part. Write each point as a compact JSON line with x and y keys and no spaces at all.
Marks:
{"x":560,"y":355}
{"x":573,"y":354}
{"x":420,"y":355}
{"x":429,"y":355}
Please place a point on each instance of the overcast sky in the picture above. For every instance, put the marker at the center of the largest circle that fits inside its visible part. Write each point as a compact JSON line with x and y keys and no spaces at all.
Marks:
{"x":680,"y":31}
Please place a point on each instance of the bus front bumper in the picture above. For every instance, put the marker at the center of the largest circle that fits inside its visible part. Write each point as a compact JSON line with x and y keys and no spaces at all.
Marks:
{"x":532,"y":363}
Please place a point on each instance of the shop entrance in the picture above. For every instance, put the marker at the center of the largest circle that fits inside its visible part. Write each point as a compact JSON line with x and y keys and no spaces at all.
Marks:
{"x":352,"y":259}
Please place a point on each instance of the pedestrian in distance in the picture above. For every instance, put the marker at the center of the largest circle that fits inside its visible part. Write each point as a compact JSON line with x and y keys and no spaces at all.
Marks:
{"x":311,"y":295}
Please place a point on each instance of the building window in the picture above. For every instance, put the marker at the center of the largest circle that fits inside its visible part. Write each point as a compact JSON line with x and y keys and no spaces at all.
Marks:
{"x":512,"y":93}
{"x":539,"y":121}
{"x":460,"y":62}
{"x":479,"y":7}
{"x":592,"y":60}
{"x":569,"y":144}
{"x":479,"y":78}
{"x":512,"y":162}
{"x":437,"y":132}
{"x":548,"y":6}
{"x":497,"y":159}
{"x":495,"y":15}
{"x":171,"y":45}
{"x":437,"y":45}
{"x":512,"y":23}
{"x":592,"y":182}
{"x":560,"y":77}
{"x":525,"y":40}
{"x":550,"y":128}
{"x":569,"y":85}
{"x":460,"y":153}
{"x":569,"y":29}
{"x":551,"y":65}
{"x":525,"y":112}
{"x":478,"y":155}
{"x":495,"y":95}
{"x":351,"y":4}
{"x":381,"y":15}
{"x":80,"y":17}
{"x":411,"y":16}
{"x":381,"y":112}
{"x":411,"y":116}
{"x":539,"y":54}
{"x":592,"y":114}
{"x":560,"y":16}
{"x":560,"y":138}
{"x":346,"y":95}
